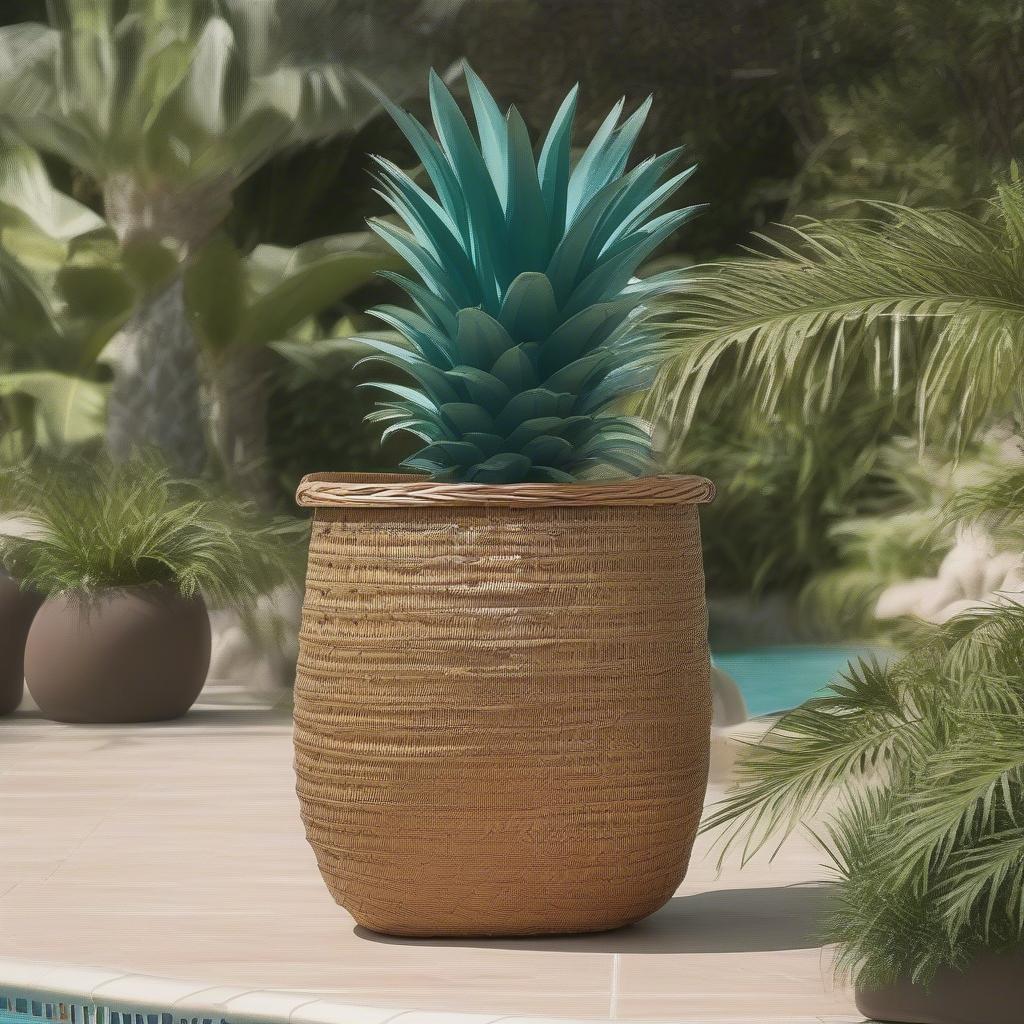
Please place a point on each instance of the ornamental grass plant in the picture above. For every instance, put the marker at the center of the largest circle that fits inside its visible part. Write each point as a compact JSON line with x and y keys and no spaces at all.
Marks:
{"x":97,"y":524}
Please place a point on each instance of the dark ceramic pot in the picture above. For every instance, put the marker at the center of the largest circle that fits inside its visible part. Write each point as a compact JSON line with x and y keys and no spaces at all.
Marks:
{"x":131,"y":654}
{"x":990,"y":991}
{"x":17,"y":610}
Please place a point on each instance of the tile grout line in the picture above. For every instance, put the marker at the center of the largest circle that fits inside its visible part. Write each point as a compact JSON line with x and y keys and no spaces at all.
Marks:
{"x":613,"y":1002}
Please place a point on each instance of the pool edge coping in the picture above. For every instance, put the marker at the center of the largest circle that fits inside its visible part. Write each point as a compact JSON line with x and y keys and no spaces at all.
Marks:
{"x":134,"y":993}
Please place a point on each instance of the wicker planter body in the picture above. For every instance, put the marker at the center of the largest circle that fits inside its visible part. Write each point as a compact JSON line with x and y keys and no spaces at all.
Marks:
{"x":502,"y":705}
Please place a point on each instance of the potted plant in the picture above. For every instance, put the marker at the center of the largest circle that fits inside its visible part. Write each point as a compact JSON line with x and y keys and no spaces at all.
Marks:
{"x":18,"y":604}
{"x":18,"y":607}
{"x":922,"y":765}
{"x":502,"y":706}
{"x":127,"y":558}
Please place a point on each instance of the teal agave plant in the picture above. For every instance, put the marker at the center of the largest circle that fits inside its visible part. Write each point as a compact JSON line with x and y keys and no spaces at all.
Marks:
{"x":524,"y":334}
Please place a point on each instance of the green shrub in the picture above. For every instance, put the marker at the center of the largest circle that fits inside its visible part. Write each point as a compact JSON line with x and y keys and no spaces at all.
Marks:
{"x":98,"y":525}
{"x":918,"y":769}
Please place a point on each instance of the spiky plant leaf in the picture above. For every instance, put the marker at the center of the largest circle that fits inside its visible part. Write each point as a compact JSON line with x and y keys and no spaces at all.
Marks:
{"x":527,"y":299}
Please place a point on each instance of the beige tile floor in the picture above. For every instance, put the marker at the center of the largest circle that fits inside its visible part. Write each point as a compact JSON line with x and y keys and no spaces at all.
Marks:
{"x":176,"y":850}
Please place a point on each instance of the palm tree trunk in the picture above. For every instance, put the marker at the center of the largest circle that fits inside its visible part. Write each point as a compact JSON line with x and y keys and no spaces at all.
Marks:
{"x":240,"y":397}
{"x":156,"y":398}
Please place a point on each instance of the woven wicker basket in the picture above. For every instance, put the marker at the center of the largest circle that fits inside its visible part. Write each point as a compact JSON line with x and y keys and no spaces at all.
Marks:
{"x":502,"y":705}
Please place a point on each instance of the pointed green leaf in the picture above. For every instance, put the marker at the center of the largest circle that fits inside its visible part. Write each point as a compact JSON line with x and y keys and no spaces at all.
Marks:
{"x":450,"y":287}
{"x":553,"y":166}
{"x":463,"y":418}
{"x":431,"y":380}
{"x":529,"y":311}
{"x":452,"y":453}
{"x":526,"y":215}
{"x":582,"y":333}
{"x":489,"y":444}
{"x":430,"y":342}
{"x":481,"y":340}
{"x":579,"y":182}
{"x":411,"y":395}
{"x":579,"y":375}
{"x":548,"y":450}
{"x":532,"y":404}
{"x":441,"y":315}
{"x":483,"y":388}
{"x":490,"y":125}
{"x":515,"y":370}
{"x":504,"y":468}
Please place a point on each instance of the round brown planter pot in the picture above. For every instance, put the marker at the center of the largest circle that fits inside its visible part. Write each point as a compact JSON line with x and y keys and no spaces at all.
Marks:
{"x":989,"y":991}
{"x":502,"y":706}
{"x":17,"y":610}
{"x":130,"y":654}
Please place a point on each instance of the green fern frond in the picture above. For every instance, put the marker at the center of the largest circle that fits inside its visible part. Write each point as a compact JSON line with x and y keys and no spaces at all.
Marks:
{"x":987,"y":878}
{"x":983,"y":655}
{"x":923,"y":763}
{"x":99,"y":525}
{"x":932,"y":293}
{"x":524,"y":335}
{"x":812,"y":752}
{"x":974,"y":785}
{"x":998,"y":502}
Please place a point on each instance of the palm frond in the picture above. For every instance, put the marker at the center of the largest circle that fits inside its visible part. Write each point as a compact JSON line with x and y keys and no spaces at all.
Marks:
{"x":925,"y":767}
{"x":987,"y":878}
{"x":974,"y":787}
{"x":931,"y":293}
{"x":998,"y":502}
{"x":812,"y":752}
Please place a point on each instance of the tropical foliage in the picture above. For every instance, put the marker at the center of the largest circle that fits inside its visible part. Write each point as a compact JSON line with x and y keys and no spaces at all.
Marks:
{"x":167,"y":106}
{"x":242,"y":308}
{"x":64,"y":292}
{"x":524,"y":335}
{"x":783,"y":488}
{"x":927,"y":116}
{"x":95,"y":525}
{"x":923,"y":760}
{"x":931,"y":296}
{"x":902,"y":534}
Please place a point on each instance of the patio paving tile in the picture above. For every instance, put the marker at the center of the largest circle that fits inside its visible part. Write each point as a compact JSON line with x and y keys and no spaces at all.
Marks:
{"x":177,"y":851}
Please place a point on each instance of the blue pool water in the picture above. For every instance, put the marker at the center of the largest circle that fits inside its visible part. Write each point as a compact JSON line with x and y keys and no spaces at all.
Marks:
{"x":15,"y":1010}
{"x":777,"y":678}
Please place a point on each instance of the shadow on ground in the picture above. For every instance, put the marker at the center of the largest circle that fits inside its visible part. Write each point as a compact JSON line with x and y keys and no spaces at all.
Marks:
{"x":234,"y":718}
{"x":720,"y":921}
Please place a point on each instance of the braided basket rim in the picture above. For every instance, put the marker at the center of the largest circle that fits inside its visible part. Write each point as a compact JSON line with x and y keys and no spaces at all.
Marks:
{"x":367,"y":490}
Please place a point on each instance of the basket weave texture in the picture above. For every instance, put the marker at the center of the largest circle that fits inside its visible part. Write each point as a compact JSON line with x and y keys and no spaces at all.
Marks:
{"x":502,"y":705}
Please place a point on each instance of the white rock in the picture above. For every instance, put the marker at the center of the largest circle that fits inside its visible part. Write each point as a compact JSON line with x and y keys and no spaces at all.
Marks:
{"x":727,"y":703}
{"x":965,"y":564}
{"x":1003,"y":572}
{"x":914,"y":598}
{"x":973,"y":575}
